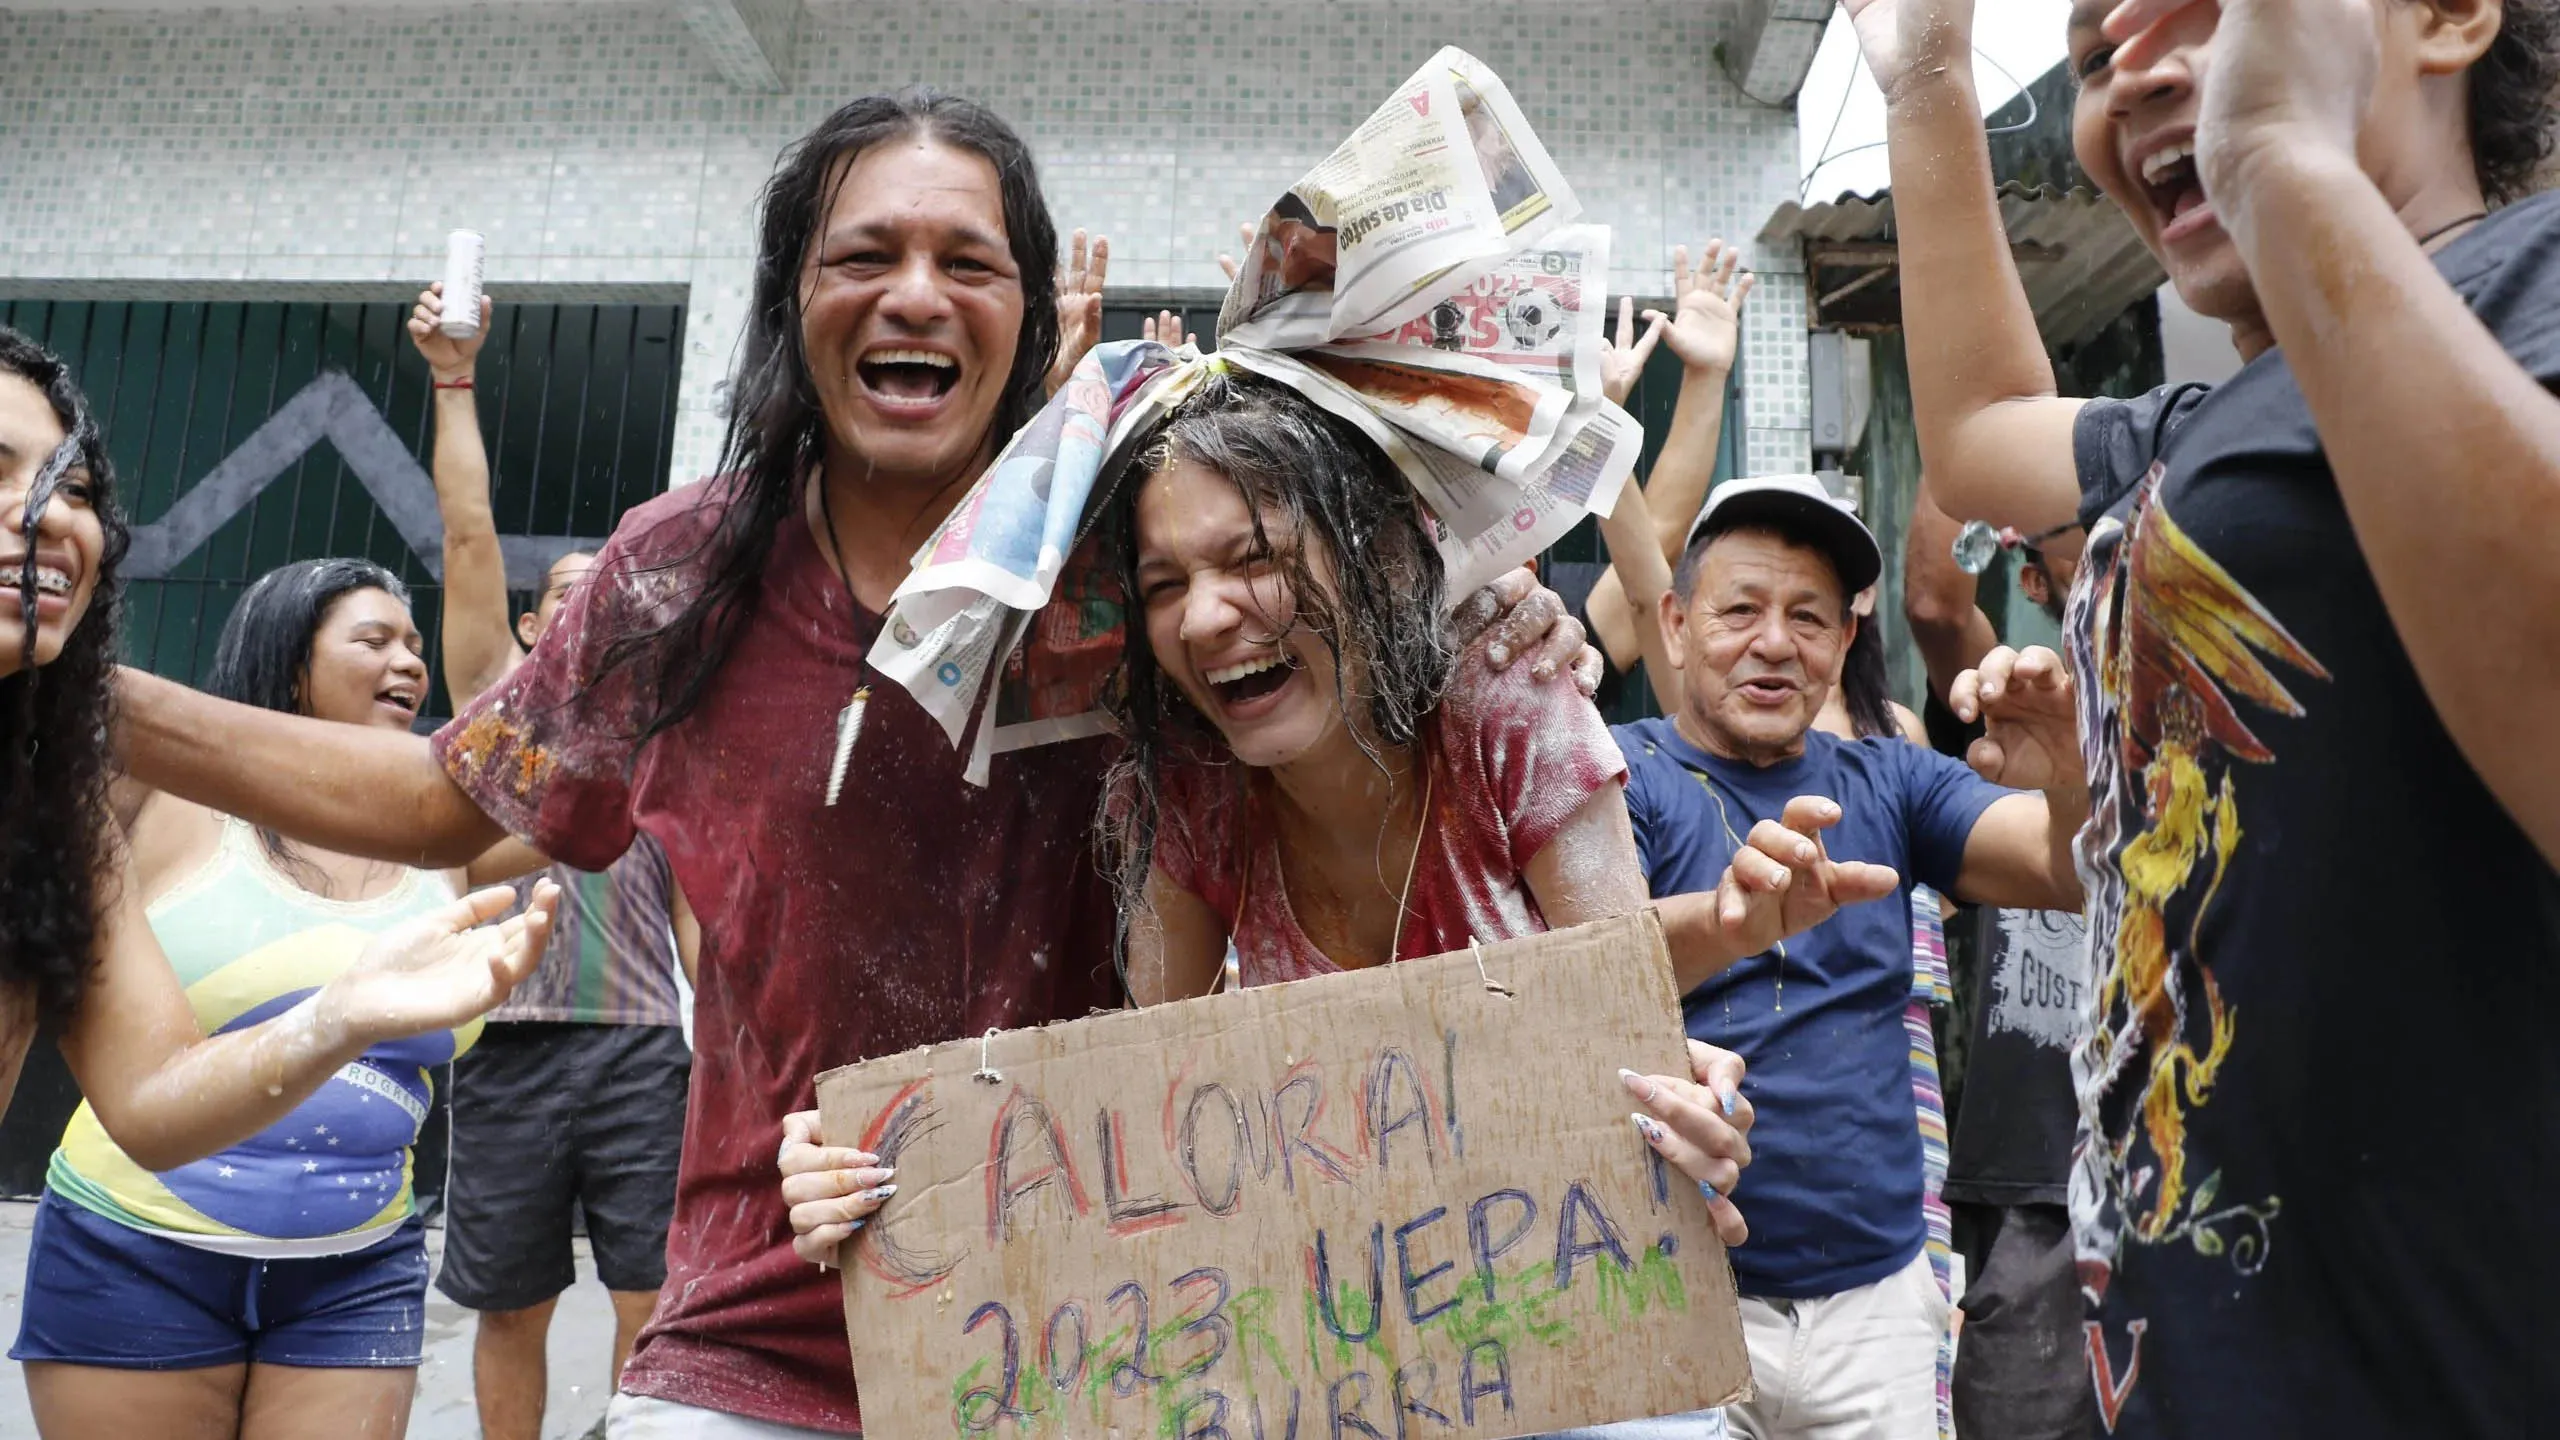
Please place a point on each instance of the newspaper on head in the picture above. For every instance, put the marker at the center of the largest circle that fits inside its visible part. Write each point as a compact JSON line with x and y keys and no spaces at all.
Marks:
{"x":1426,"y":283}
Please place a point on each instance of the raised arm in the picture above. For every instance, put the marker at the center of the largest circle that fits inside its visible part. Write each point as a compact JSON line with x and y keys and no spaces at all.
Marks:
{"x":2355,"y":303}
{"x":2019,"y":855}
{"x":1938,"y":598}
{"x":1995,"y":440}
{"x":168,"y":1095}
{"x":1705,"y":331}
{"x":349,"y":788}
{"x":479,"y":640}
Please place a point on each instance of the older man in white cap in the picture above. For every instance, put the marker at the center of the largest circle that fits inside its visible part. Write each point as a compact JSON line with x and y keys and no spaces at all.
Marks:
{"x":1840,"y":1309}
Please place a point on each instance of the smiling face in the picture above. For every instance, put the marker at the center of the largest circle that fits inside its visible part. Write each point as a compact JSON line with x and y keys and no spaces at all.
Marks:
{"x":368,"y":664}
{"x":70,"y":541}
{"x":911,"y":310}
{"x":1222,"y":621}
{"x":1759,"y":646}
{"x":2133,"y":128}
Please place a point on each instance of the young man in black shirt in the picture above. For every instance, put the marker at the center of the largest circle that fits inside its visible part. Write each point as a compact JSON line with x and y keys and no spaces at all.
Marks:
{"x":2325,"y":925}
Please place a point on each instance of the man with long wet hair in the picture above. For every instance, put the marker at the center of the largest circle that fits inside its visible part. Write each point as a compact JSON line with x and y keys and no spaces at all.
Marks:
{"x":904,"y":323}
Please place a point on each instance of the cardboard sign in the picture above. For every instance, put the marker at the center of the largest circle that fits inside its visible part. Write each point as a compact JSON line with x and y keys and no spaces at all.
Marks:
{"x":1396,"y":1203}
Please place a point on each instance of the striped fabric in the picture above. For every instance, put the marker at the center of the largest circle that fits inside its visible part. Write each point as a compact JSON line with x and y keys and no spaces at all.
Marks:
{"x":612,"y":958}
{"x":1931,"y":987}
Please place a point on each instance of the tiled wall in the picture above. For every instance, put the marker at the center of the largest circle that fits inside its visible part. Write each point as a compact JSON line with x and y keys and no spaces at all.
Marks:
{"x":595,"y":143}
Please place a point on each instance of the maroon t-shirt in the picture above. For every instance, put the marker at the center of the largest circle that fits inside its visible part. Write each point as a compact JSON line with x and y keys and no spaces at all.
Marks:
{"x":919,"y":909}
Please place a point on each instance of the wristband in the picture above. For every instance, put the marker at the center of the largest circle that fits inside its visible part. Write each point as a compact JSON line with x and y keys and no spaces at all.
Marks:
{"x":462,"y":384}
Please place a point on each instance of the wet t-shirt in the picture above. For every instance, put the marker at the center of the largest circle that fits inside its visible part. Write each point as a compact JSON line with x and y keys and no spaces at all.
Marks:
{"x":1510,"y":758}
{"x":918,"y":909}
{"x":2316,"y":1201}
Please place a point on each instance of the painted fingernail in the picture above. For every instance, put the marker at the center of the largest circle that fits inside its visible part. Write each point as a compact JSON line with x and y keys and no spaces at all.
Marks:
{"x":1498,"y":655}
{"x":1641,"y":1085}
{"x":878,"y":1192}
{"x":1727,"y":1098}
{"x":1649,"y":1128}
{"x":1709,"y":1191}
{"x":856,"y":1224}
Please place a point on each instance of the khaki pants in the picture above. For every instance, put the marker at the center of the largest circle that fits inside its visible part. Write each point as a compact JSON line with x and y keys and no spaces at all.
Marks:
{"x":1859,"y":1365}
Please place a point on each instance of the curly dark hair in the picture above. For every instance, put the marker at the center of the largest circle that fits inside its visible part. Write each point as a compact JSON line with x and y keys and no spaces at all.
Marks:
{"x":777,"y":428}
{"x":2511,"y":100}
{"x":57,"y":855}
{"x":1327,"y":488}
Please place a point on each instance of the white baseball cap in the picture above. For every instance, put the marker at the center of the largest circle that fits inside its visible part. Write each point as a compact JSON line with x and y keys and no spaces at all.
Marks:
{"x":1800,"y":503}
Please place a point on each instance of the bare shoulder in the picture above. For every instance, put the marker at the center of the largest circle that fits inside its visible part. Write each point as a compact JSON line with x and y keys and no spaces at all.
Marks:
{"x":169,"y":839}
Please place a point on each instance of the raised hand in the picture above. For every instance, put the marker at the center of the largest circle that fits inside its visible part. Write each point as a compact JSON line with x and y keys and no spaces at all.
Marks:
{"x":1706,"y":330}
{"x":449,"y":358}
{"x":1622,"y":359}
{"x":1244,"y":246}
{"x":828,"y":1192}
{"x":1783,"y":881}
{"x":2287,"y":75}
{"x":442,"y":969}
{"x":1165,"y":328}
{"x":2031,"y":730}
{"x":1907,"y":39}
{"x":1079,"y":304}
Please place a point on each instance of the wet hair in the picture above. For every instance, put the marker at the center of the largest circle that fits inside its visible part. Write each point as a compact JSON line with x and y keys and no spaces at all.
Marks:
{"x":264,"y":658}
{"x":58,"y":859}
{"x":777,"y":427}
{"x":2511,"y":100}
{"x":1383,"y":617}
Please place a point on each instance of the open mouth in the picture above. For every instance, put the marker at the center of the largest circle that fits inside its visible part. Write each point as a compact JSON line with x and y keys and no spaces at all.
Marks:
{"x":399,"y":697}
{"x":908,"y":377}
{"x":52,"y":581}
{"x":1251,"y":680}
{"x":1766,"y":691}
{"x":2170,"y":181}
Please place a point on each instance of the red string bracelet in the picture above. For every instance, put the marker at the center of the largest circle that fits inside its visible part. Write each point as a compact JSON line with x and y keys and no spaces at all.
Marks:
{"x":462,"y":384}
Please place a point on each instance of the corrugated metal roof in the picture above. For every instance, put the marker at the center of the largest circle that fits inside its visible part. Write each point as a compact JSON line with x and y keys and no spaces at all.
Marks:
{"x":2098,"y":264}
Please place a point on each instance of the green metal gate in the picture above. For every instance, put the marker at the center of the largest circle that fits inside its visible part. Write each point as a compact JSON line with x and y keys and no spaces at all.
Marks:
{"x":250,"y":433}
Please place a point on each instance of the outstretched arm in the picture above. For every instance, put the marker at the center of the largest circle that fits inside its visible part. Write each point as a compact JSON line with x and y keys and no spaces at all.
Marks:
{"x":168,"y":1095}
{"x":478,"y":641}
{"x":349,"y":788}
{"x":1995,"y":440}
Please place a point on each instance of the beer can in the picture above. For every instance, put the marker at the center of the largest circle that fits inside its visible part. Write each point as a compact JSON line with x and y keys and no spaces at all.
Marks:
{"x":464,"y":251}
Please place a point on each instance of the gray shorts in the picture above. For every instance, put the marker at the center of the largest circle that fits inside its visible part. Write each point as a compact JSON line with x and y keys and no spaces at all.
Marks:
{"x":549,"y":1119}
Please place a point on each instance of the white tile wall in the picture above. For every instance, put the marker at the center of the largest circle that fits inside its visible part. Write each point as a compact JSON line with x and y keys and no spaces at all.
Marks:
{"x":597,"y":143}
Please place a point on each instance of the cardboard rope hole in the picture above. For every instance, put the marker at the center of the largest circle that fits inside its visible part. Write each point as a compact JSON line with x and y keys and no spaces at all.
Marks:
{"x":1386,"y":1203}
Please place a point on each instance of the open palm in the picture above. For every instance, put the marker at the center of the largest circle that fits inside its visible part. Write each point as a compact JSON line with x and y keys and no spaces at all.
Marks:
{"x":1706,"y":325}
{"x":443,"y":969}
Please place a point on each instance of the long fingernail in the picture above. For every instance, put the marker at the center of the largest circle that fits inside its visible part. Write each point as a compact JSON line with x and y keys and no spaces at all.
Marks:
{"x":856,"y":1224}
{"x":1709,"y":1191}
{"x":1497,"y":655}
{"x":1642,"y":1086}
{"x":878,"y":1192}
{"x":1649,"y":1128}
{"x":1728,"y":1099}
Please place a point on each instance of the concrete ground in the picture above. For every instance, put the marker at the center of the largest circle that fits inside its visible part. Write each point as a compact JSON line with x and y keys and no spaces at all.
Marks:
{"x":581,"y":1347}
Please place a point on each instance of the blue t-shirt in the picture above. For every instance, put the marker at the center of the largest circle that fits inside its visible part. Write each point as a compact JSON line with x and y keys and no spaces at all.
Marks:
{"x":1833,"y":1192}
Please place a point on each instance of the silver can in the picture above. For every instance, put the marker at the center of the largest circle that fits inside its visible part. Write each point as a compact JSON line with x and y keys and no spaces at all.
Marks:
{"x":464,"y":252}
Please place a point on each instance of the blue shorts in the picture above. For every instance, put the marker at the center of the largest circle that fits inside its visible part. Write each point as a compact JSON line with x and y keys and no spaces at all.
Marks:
{"x":100,"y":1293}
